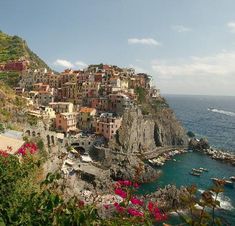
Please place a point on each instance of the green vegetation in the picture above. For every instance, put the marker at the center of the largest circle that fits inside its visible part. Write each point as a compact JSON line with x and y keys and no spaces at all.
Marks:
{"x":14,"y":47}
{"x":26,"y":198}
{"x":10,"y":104}
{"x":10,"y":78}
{"x":32,"y":120}
{"x":1,"y":128}
{"x":147,"y":104}
{"x":141,"y":94}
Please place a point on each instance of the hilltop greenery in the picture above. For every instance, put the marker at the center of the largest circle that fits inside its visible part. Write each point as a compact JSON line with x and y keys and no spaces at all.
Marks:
{"x":147,"y":104}
{"x":14,"y":47}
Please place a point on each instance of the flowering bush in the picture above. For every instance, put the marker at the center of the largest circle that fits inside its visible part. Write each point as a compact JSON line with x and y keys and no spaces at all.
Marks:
{"x":28,"y":148}
{"x":26,"y":201}
{"x":4,"y":153}
{"x":133,"y":207}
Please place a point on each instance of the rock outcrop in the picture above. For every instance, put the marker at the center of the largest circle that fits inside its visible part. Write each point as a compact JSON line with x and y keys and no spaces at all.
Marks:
{"x":199,"y":145}
{"x":140,"y":133}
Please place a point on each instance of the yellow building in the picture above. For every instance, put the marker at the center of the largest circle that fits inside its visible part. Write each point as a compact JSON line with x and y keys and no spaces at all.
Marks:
{"x":85,"y":118}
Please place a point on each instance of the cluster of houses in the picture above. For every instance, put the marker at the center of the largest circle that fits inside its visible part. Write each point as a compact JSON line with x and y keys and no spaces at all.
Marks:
{"x":14,"y":65}
{"x":91,"y":100}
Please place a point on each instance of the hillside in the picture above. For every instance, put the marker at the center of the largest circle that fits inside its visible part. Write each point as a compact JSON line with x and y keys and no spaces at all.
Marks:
{"x":10,"y":105}
{"x":14,"y":48}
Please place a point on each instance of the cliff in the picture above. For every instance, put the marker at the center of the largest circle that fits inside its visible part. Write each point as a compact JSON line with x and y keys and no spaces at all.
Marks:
{"x":143,"y":133}
{"x":139,"y":135}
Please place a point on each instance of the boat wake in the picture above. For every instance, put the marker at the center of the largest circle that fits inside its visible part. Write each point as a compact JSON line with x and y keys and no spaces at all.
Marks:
{"x":229,"y":113}
{"x":225,"y":201}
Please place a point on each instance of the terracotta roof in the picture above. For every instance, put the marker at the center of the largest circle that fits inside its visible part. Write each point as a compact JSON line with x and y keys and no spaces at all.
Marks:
{"x":86,"y":110}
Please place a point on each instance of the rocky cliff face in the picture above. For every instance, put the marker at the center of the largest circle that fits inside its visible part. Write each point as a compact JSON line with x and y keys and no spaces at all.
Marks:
{"x":140,"y":133}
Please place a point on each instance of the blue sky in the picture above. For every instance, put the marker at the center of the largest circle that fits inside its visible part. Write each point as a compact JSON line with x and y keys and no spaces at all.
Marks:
{"x":187,"y":46}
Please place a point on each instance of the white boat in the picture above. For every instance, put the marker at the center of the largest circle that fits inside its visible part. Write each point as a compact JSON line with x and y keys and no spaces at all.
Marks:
{"x":197,"y":170}
{"x":232,"y":178}
{"x":203,"y":169}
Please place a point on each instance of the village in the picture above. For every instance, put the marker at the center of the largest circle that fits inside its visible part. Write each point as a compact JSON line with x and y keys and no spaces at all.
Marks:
{"x":77,"y":111}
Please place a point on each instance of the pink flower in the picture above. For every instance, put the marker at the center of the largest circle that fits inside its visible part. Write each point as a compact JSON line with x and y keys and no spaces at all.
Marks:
{"x":160,"y":216}
{"x":135,"y":185}
{"x":135,"y":212}
{"x":81,"y":203}
{"x":150,"y":207}
{"x":119,"y":208}
{"x":4,"y":154}
{"x":120,"y":192}
{"x":106,"y":206}
{"x":136,"y":201}
{"x":27,"y":147}
{"x":155,"y":211}
{"x":125,"y":183}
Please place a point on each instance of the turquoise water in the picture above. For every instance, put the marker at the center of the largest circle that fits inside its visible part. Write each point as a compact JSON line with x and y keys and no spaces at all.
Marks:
{"x":178,"y":173}
{"x":219,"y":127}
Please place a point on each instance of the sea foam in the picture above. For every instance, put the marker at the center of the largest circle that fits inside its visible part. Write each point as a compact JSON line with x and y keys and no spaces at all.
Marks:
{"x":225,"y":201}
{"x":229,"y":113}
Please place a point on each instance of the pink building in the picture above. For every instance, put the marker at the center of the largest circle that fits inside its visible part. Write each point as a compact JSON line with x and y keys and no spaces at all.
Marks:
{"x":107,"y":125}
{"x":100,"y":103}
{"x":66,"y":121}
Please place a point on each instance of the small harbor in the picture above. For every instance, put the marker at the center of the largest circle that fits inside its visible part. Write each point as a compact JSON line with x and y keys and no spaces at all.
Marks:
{"x":178,"y":173}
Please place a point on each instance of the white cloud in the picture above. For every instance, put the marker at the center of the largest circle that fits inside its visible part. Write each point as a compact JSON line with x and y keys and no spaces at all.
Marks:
{"x":138,"y":69}
{"x":181,"y":28}
{"x":63,"y":63}
{"x":81,"y":64}
{"x":198,"y":75}
{"x":231,"y":26}
{"x":144,"y":41}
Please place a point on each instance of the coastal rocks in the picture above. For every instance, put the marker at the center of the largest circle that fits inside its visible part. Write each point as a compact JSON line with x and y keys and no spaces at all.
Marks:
{"x":203,"y":146}
{"x":133,"y":169}
{"x":169,"y":197}
{"x":220,"y":155}
{"x":196,"y":144}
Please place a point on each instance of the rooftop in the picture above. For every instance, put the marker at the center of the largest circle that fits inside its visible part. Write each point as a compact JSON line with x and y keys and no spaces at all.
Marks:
{"x":11,"y":142}
{"x":87,"y":110}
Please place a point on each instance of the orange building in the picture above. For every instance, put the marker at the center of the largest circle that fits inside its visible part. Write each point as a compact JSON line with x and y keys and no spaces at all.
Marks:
{"x":66,"y":121}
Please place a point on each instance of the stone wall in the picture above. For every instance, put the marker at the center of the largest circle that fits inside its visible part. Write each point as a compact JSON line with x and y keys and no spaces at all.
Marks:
{"x":48,"y":137}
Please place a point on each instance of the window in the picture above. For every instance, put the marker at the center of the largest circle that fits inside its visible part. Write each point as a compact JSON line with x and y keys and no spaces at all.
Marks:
{"x":112,"y":131}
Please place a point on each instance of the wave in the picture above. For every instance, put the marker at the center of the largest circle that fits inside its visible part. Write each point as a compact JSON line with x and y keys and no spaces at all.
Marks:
{"x":225,"y":201}
{"x":229,"y":113}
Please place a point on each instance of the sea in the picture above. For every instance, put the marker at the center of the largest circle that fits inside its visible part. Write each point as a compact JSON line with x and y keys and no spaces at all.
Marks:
{"x":211,"y":117}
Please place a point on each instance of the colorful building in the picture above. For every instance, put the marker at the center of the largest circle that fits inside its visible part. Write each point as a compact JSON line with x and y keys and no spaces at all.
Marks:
{"x":85,"y":118}
{"x":107,"y":125}
{"x":62,"y":107}
{"x":66,"y":122}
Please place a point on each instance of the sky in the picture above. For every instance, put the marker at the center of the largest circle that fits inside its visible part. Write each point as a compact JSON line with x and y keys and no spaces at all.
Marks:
{"x":187,"y":46}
